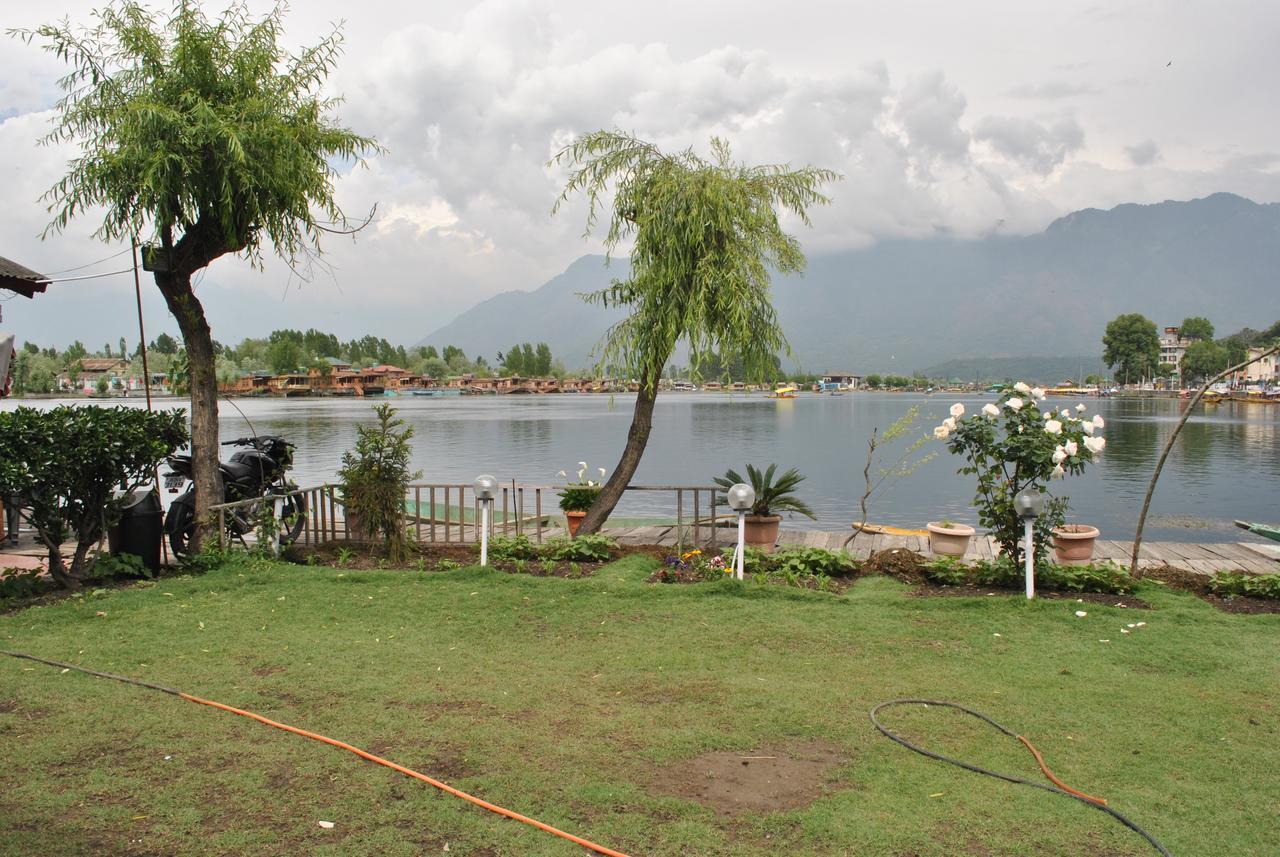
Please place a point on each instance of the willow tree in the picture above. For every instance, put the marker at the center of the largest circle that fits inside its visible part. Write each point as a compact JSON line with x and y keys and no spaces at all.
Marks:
{"x":206,"y":137}
{"x":705,"y":239}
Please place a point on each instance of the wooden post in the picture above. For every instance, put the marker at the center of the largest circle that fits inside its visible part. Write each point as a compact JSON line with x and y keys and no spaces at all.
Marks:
{"x":680,"y":520}
{"x":697,"y":522}
{"x":446,"y":513}
{"x":537,"y":510}
{"x":417,"y":513}
{"x":431,"y":522}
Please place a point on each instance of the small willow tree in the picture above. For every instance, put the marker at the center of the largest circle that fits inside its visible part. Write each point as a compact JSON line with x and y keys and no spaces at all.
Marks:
{"x":208,"y":137}
{"x":705,"y":238}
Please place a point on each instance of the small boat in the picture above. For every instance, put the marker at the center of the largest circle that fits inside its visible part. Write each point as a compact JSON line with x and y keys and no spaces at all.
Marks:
{"x":785,"y":391}
{"x":886,"y":530}
{"x":1269,"y":531}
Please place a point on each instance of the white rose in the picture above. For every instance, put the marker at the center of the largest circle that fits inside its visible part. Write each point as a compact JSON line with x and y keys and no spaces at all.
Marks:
{"x":1097,"y":421}
{"x":1087,"y":428}
{"x":1014,"y":404}
{"x":1095,"y":444}
{"x":1071,"y":447}
{"x":949,"y":424}
{"x":941,"y":432}
{"x":990,"y":410}
{"x":1080,"y":408}
{"x":1058,"y":472}
{"x":1059,"y":455}
{"x":1048,"y":415}
{"x":1037,"y":392}
{"x":1053,"y":427}
{"x":1021,"y":387}
{"x":957,"y":410}
{"x":1066,"y":415}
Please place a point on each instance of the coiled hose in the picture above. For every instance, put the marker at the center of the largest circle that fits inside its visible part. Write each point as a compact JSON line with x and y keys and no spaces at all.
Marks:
{"x":1059,"y":787}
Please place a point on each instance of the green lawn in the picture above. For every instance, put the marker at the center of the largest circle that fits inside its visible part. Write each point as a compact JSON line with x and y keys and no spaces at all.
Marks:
{"x":567,"y":699}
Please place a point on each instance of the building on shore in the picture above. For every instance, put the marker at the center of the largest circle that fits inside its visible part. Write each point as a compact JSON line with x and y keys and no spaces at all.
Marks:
{"x":1173,"y":347}
{"x":840,"y":381}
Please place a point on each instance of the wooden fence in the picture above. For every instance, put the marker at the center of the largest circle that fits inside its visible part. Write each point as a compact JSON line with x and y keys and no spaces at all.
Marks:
{"x":449,"y":513}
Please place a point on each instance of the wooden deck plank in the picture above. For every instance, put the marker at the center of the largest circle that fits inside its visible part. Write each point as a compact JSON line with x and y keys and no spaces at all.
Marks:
{"x":1271,"y":552}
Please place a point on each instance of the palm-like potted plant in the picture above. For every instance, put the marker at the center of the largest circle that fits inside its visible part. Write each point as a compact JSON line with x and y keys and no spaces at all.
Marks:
{"x":772,"y":496}
{"x":577,"y":497}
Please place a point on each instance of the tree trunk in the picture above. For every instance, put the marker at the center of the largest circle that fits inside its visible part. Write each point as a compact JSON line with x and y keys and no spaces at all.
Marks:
{"x":637,"y":438}
{"x":198,"y":339}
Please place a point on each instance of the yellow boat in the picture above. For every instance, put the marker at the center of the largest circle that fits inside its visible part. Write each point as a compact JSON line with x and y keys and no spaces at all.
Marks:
{"x":785,"y":391}
{"x":886,"y":530}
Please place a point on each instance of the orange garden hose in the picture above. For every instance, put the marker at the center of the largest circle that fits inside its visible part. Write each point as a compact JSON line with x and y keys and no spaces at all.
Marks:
{"x":408,"y":772}
{"x":1057,"y":782}
{"x":1058,"y":787}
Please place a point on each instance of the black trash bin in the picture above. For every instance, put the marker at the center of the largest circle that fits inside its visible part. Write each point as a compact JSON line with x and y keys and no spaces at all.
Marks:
{"x":140,"y":528}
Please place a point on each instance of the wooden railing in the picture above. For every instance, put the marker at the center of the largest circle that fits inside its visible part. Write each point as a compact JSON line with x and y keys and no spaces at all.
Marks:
{"x":448,"y":513}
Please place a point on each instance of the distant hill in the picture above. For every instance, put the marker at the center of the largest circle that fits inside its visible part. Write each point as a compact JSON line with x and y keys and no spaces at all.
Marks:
{"x":1035,"y":370}
{"x":905,"y":305}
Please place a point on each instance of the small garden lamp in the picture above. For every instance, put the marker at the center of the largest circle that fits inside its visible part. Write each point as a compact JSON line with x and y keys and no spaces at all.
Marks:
{"x":741,"y":498}
{"x":1029,"y":505}
{"x":485,"y":487}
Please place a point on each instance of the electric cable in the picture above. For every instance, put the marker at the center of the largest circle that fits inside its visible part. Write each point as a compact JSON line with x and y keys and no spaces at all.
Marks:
{"x":90,"y":264}
{"x":1059,"y":787}
{"x":364,"y":754}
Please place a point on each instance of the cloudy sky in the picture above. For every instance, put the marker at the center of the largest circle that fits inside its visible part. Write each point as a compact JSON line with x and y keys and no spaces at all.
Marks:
{"x":964,"y":119}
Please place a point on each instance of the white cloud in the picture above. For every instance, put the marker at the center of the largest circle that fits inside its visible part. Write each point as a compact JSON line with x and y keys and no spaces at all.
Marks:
{"x":471,"y":101}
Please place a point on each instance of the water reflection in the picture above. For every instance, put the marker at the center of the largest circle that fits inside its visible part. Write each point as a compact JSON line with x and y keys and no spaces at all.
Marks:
{"x":1224,"y":466}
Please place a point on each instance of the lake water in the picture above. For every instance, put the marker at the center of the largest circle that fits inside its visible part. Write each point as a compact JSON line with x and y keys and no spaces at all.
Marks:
{"x":1226,"y":464}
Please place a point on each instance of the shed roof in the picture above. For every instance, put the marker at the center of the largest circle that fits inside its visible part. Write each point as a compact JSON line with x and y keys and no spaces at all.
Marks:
{"x":21,"y":279}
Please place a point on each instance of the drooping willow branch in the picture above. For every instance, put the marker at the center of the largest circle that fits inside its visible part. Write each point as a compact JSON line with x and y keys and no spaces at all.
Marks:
{"x":1168,"y":447}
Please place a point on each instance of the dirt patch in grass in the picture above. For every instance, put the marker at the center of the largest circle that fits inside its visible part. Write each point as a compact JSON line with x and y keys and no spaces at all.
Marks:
{"x":930,"y":590}
{"x":768,"y":779}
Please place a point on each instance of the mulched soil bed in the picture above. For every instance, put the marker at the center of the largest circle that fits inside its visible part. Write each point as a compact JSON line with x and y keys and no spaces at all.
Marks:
{"x":438,"y":557}
{"x":930,"y":590}
{"x":1199,"y":584}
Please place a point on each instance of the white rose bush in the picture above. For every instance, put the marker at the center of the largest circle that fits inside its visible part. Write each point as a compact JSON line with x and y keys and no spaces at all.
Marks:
{"x":1012,"y":446}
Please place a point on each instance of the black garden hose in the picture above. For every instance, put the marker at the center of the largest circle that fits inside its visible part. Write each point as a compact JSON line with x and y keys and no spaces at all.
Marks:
{"x":1096,"y":803}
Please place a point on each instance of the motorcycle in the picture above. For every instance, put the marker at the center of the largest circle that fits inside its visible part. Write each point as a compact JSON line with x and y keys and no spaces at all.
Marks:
{"x":258,"y":470}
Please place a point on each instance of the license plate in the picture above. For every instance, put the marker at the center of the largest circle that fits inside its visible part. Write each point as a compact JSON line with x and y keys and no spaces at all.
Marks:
{"x":173,"y":481}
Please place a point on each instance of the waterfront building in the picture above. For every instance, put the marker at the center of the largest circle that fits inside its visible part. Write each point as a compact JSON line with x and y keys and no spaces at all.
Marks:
{"x":840,"y":381}
{"x":1172,"y":349}
{"x":1265,"y":371}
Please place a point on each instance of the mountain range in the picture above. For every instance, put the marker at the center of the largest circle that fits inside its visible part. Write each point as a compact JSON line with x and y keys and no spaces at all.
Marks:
{"x":906,"y":304}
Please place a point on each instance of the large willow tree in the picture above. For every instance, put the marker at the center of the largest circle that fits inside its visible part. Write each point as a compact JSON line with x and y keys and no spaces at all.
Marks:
{"x":704,"y":240}
{"x":206,"y":137}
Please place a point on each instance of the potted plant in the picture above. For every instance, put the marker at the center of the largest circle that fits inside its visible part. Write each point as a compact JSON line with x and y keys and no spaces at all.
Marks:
{"x":772,"y":496}
{"x":375,"y":479}
{"x":1073,"y":543}
{"x":947,"y":538}
{"x":576,"y":498}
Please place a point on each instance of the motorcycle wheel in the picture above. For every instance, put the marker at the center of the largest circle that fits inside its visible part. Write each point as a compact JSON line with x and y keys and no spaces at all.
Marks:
{"x":180,"y":535}
{"x":293,"y":516}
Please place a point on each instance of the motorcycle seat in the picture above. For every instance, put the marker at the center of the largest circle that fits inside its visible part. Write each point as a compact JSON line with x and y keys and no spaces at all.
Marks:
{"x":236,"y":471}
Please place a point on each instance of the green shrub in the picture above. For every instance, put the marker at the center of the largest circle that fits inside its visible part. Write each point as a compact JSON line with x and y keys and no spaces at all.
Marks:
{"x":1099,"y":577}
{"x":1234,"y":583}
{"x":18,"y":584}
{"x":947,"y":571}
{"x":999,"y":572}
{"x":64,"y":466}
{"x":110,"y":566}
{"x":814,"y":561}
{"x":587,"y":547}
{"x":513,"y":547}
{"x":375,"y":478}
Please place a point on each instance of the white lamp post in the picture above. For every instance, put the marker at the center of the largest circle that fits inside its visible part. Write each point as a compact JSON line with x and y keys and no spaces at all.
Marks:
{"x":1029,"y":505}
{"x":485,"y":486}
{"x":741,"y":498}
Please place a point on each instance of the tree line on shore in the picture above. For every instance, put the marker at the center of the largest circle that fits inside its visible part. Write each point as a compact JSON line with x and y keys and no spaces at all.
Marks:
{"x":1131,"y":346}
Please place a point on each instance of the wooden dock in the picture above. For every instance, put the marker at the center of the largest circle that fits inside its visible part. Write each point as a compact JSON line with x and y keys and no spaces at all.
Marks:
{"x":1201,"y":558}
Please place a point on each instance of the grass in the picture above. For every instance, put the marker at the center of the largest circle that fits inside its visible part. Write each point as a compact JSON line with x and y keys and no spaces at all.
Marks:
{"x":565,"y":699}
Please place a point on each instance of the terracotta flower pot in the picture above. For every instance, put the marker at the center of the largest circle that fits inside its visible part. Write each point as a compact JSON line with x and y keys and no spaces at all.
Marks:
{"x":574,"y":521}
{"x":950,"y":540}
{"x":761,"y":531}
{"x":1073,"y":543}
